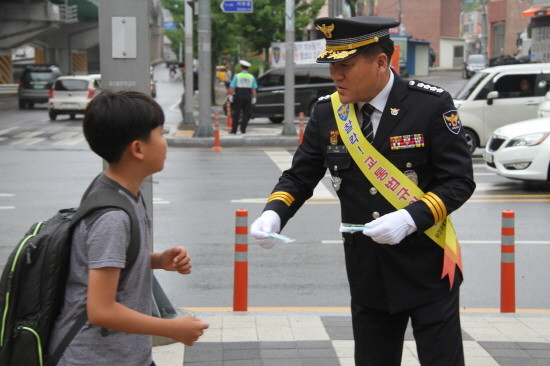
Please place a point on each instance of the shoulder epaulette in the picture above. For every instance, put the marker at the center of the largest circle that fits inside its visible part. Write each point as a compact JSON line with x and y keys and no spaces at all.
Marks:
{"x":324,"y":98}
{"x":419,"y":85}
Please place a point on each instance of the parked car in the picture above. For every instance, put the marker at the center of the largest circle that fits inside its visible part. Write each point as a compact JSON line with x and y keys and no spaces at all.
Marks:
{"x":311,"y":81}
{"x":71,"y":94}
{"x":35,"y":83}
{"x":544,"y":106}
{"x":493,"y":98}
{"x":473,"y":64}
{"x":521,"y":150}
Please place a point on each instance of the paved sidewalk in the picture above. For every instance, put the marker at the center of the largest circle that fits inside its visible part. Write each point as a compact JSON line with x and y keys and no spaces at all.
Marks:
{"x":325,"y":339}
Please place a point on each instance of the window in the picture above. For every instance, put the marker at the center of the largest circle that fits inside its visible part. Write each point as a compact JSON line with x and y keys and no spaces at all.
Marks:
{"x":515,"y":86}
{"x":71,"y":85}
{"x":274,"y":78}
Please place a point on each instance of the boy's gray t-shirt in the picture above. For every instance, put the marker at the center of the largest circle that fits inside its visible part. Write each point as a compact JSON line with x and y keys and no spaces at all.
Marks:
{"x":104,"y":244}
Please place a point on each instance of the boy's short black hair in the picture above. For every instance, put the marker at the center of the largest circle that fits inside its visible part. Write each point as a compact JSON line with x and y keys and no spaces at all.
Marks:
{"x":113,"y":120}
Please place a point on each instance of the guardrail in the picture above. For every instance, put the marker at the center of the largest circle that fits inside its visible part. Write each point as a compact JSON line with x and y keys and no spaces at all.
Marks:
{"x":8,"y":88}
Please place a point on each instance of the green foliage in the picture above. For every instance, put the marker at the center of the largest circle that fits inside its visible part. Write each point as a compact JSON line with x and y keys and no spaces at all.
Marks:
{"x":244,"y":34}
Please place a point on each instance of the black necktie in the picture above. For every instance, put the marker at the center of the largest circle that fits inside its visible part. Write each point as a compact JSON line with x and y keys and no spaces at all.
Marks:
{"x":367,"y":129}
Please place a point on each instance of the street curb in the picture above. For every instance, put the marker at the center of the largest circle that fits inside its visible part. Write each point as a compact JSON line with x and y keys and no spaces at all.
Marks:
{"x":206,"y":142}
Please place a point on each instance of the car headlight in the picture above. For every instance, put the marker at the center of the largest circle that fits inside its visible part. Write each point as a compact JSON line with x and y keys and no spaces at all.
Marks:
{"x":528,"y":140}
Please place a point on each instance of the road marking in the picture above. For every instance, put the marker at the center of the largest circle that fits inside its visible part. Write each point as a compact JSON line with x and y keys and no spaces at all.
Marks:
{"x":287,"y":309}
{"x":64,"y":135}
{"x":7,"y":194}
{"x":283,"y":160}
{"x":484,"y":242}
{"x":28,"y":134}
{"x":69,"y":142}
{"x":28,"y":141}
{"x":7,"y":207}
{"x":474,"y":199}
{"x":160,"y":201}
{"x":6,"y":130}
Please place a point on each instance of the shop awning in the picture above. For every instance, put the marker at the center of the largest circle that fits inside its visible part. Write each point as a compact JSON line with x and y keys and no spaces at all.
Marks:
{"x":536,"y":11}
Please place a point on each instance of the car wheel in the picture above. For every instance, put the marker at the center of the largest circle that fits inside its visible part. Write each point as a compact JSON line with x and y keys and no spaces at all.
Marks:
{"x":30,"y":105}
{"x":72,"y":116}
{"x":471,"y":139}
{"x":22,"y":104}
{"x":53,"y":115}
{"x":276,"y":119}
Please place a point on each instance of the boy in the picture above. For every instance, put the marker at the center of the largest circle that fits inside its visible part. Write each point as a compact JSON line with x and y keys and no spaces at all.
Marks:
{"x":125,"y":129}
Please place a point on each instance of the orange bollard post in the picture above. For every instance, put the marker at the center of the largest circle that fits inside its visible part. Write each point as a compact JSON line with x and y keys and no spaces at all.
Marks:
{"x":301,"y":127}
{"x":507,"y":265}
{"x":240,"y":284}
{"x":217,"y":146}
{"x":229,"y":115}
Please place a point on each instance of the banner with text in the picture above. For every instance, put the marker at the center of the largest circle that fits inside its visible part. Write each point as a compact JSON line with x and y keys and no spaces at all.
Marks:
{"x":304,"y":52}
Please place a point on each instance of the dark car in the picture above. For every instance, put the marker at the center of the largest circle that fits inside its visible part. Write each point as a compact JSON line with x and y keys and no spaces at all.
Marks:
{"x":36,"y":82}
{"x":311,"y":81}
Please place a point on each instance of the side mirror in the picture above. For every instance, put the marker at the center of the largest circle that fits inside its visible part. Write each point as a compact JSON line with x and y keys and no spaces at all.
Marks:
{"x":490,"y":96}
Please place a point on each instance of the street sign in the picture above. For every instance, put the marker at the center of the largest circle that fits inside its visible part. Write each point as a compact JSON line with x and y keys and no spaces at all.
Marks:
{"x":237,"y":6}
{"x":170,"y":26}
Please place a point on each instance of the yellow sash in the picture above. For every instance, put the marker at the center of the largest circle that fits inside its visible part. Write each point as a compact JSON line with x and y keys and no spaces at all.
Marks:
{"x":395,"y":186}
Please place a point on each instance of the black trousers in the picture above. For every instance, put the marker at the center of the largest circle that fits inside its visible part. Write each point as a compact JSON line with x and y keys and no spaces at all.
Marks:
{"x":239,"y":105}
{"x":379,"y":335}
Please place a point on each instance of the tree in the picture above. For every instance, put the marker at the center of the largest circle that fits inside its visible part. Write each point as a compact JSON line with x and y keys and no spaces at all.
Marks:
{"x":239,"y":34}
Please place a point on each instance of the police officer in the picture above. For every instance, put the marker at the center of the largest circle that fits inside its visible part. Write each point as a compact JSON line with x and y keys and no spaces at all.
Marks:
{"x":242,"y":94}
{"x":400,"y":165}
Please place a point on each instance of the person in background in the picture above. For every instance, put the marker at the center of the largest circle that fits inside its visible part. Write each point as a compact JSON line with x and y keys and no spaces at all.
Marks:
{"x":242,"y":94}
{"x":400,"y":165}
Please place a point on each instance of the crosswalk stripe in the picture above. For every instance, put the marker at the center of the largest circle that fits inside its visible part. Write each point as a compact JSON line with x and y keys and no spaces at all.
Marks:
{"x":28,"y":134}
{"x":69,"y":142}
{"x":28,"y":141}
{"x":283,"y":160}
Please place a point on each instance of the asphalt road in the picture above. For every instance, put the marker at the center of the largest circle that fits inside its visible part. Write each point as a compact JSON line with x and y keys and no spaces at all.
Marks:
{"x":197,"y":194}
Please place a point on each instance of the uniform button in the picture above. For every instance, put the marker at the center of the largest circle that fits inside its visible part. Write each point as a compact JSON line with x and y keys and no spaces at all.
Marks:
{"x":375,"y":215}
{"x":373,"y":191}
{"x":409,"y":165}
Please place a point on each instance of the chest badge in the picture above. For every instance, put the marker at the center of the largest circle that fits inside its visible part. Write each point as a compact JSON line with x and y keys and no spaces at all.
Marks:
{"x":333,"y":140}
{"x":394,"y":111}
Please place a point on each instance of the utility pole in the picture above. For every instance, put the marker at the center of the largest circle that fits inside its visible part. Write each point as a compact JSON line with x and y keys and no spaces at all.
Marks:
{"x":484,"y":29}
{"x":189,"y":81}
{"x":124,"y":63}
{"x":204,"y":129}
{"x":289,"y":128}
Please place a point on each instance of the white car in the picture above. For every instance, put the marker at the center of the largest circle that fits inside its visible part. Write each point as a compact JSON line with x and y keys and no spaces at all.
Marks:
{"x":520,"y":150}
{"x":500,"y":95}
{"x":71,"y":94}
{"x":544,"y":107}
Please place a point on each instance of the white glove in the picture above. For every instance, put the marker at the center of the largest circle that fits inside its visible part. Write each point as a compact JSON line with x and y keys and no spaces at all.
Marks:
{"x":268,"y":222}
{"x":254,"y":100}
{"x":391,"y":228}
{"x":230,"y":98}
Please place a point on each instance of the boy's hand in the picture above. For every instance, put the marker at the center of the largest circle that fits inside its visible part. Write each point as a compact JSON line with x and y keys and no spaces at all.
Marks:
{"x":189,"y":329}
{"x":175,"y":259}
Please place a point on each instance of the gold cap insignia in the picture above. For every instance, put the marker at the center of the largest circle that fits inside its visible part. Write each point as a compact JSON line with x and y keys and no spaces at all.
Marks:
{"x":394,"y":111}
{"x":326,"y":29}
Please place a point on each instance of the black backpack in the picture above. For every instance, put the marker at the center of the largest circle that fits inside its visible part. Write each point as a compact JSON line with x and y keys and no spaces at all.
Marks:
{"x":32,"y":286}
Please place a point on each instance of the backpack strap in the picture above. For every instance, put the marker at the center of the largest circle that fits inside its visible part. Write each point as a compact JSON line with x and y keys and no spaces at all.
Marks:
{"x":98,"y":200}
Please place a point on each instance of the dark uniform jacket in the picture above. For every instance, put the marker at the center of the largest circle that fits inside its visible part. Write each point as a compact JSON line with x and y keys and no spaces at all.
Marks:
{"x":388,"y":277}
